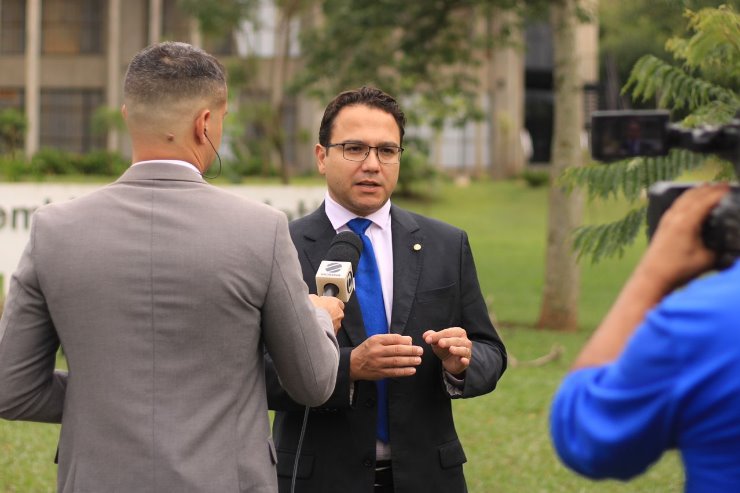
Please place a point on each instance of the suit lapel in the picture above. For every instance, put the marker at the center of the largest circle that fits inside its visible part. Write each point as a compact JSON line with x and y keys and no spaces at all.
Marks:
{"x":317,"y":236}
{"x":407,"y":262}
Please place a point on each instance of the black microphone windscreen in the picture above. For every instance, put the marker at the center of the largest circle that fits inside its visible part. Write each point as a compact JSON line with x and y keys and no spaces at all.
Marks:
{"x":345,"y":247}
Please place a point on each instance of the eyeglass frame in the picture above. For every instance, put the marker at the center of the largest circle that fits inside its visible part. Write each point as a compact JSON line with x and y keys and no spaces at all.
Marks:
{"x":369,"y":148}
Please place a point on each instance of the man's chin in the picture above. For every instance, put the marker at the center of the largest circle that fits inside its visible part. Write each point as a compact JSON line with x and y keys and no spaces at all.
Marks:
{"x":366,"y":207}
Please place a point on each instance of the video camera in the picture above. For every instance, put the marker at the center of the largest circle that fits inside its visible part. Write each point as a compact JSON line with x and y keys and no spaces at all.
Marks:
{"x":618,"y":135}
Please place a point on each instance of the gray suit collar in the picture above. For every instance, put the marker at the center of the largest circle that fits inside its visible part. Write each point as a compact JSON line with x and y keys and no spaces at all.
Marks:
{"x":160,"y":171}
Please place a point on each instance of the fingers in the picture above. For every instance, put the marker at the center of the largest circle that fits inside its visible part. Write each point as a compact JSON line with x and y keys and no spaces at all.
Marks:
{"x":448,"y":338}
{"x":433,"y":336}
{"x":692,"y":207}
{"x":398,"y":372}
{"x":385,"y":356}
{"x":703,"y":197}
{"x":452,"y":347}
{"x":677,"y":253}
{"x":391,"y":339}
{"x":328,"y":303}
{"x":462,"y":351}
{"x":393,"y":345}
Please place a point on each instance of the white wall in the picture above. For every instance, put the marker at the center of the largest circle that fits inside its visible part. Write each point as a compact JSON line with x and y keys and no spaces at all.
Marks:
{"x":18,"y":201}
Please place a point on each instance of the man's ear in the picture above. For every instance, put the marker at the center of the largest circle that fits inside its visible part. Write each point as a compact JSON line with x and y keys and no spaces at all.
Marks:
{"x":124,"y":111}
{"x":201,"y":126}
{"x":320,"y":152}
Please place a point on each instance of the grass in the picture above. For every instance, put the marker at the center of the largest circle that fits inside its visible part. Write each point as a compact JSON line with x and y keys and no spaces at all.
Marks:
{"x":504,"y":433}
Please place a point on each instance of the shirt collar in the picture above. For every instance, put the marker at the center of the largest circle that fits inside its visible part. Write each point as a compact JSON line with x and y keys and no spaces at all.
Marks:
{"x":339,"y":216}
{"x":178,"y":162}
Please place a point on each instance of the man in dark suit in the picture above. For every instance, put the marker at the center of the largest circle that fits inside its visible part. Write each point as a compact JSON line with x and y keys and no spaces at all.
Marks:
{"x":388,"y":426}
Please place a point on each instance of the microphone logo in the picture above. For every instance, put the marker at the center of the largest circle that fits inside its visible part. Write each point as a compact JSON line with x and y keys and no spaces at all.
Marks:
{"x":350,"y":283}
{"x":333,"y":267}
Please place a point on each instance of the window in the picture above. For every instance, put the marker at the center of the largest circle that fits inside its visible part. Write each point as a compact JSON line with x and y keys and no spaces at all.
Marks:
{"x":66,"y":116}
{"x":11,"y":97}
{"x":72,"y":26}
{"x":12,"y":26}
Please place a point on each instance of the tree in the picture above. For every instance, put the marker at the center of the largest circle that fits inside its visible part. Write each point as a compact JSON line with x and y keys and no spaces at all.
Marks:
{"x":427,"y":53}
{"x":222,"y":17}
{"x":559,"y":308}
{"x":12,"y":130}
{"x":631,"y":29}
{"x":702,"y":87}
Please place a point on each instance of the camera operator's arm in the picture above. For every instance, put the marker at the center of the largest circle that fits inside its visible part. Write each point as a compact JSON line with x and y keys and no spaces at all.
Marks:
{"x":675,"y":255}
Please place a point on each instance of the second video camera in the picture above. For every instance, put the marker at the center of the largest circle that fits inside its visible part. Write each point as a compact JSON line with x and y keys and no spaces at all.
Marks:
{"x":618,"y":135}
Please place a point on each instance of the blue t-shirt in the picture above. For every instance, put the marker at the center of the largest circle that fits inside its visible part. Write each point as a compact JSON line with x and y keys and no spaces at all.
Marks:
{"x":676,"y":385}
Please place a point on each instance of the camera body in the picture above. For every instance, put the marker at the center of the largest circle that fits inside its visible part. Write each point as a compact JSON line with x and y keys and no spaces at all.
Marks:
{"x":618,"y":135}
{"x":721,"y":229}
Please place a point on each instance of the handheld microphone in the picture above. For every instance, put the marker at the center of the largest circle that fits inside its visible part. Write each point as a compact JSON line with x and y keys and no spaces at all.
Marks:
{"x":335,"y":276}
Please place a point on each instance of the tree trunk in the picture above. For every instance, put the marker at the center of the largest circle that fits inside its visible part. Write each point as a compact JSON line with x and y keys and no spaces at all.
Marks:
{"x":505,"y":73}
{"x":559,"y":309}
{"x":286,"y":11}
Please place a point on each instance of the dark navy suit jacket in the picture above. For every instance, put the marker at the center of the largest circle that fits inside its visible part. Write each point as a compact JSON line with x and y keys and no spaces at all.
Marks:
{"x":435,"y":287}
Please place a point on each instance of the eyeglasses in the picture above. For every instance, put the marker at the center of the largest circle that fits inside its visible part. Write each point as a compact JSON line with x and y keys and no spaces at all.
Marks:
{"x":353,"y":151}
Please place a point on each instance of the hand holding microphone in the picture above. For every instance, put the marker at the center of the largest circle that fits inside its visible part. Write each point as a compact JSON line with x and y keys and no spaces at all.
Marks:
{"x":334,"y":306}
{"x":335,"y":278}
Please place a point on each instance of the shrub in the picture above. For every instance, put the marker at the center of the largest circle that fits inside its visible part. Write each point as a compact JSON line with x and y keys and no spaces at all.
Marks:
{"x":100,"y":163}
{"x":57,"y":162}
{"x":536,"y":177}
{"x":12,"y":129}
{"x":13,"y":169}
{"x":416,"y":173}
{"x":52,"y":162}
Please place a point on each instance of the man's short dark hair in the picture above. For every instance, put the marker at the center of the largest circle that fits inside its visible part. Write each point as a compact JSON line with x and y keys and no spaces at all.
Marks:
{"x":366,"y":96}
{"x":173,"y":71}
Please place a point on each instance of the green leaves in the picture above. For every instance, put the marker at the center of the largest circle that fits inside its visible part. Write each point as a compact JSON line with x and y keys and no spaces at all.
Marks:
{"x":606,"y":240}
{"x":714,"y":47}
{"x":703,"y":89}
{"x":652,"y":77}
{"x":219,"y":16}
{"x":631,"y":177}
{"x":426,"y":51}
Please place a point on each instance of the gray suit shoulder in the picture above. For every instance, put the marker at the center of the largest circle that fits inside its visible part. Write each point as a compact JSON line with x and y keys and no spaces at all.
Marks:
{"x":248,"y":204}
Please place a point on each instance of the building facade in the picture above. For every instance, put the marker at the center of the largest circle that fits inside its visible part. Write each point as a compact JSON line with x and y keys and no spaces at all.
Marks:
{"x":62,"y":63}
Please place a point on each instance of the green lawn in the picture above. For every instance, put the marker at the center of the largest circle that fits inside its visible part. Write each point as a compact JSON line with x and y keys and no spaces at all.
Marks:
{"x":504,"y":433}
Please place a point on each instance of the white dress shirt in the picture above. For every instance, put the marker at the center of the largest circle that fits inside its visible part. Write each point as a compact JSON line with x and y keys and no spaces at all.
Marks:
{"x":178,"y":162}
{"x":380,"y":236}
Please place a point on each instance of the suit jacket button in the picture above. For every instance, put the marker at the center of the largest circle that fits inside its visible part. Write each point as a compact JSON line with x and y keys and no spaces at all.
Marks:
{"x":367,"y":463}
{"x":370,"y":402}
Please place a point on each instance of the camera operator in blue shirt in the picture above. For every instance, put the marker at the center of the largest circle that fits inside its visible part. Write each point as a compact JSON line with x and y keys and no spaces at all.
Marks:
{"x":662,"y":371}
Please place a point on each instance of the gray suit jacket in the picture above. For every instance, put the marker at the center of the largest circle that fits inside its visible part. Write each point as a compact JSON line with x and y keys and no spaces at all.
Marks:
{"x":162,"y":290}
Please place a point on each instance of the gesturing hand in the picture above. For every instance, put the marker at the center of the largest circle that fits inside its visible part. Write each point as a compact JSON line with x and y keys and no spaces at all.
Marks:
{"x":453,"y":347}
{"x":383,"y":356}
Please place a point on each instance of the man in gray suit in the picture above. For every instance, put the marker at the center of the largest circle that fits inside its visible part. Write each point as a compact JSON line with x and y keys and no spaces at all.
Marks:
{"x":163,"y":290}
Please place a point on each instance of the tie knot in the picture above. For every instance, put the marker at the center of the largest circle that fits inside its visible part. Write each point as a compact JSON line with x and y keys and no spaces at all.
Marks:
{"x":359,"y":225}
